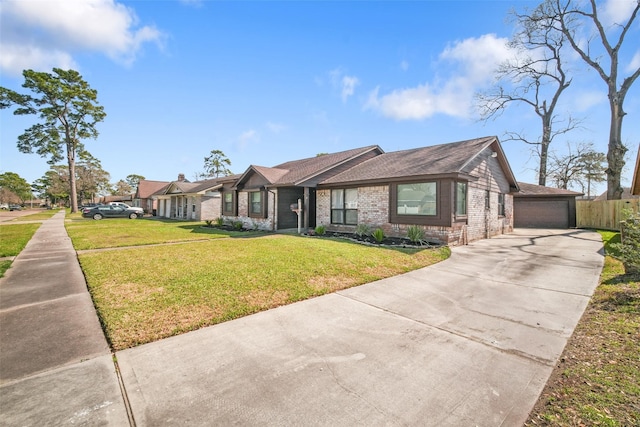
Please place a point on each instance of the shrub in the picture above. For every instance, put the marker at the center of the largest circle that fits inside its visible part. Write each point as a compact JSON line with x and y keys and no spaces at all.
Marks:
{"x":628,"y":250}
{"x":415,"y":234}
{"x":363,"y":230}
{"x":209,"y":222}
{"x":219,"y":222}
{"x":320,"y":230}
{"x":378,"y":234}
{"x":238,"y":225}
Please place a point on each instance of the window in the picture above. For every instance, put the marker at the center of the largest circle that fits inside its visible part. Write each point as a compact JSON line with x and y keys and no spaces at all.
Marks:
{"x":256,"y":203}
{"x":461,"y":198}
{"x":227,"y":206}
{"x":501,"y":204}
{"x":487,"y":199}
{"x":416,"y":199}
{"x":344,"y":206}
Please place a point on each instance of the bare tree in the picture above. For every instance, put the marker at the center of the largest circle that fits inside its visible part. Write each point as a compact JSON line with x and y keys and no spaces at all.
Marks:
{"x":535,"y":77}
{"x":573,"y":19}
{"x":580,"y":166}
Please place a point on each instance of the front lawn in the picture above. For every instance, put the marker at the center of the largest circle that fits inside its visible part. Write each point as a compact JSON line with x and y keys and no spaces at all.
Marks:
{"x":117,"y":232}
{"x":152,"y":292}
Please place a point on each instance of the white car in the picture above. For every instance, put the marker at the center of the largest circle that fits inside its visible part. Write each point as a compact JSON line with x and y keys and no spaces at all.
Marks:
{"x":126,"y":206}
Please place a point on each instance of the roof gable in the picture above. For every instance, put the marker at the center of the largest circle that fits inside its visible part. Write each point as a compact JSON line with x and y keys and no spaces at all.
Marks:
{"x":297,"y":172}
{"x":147,"y":187}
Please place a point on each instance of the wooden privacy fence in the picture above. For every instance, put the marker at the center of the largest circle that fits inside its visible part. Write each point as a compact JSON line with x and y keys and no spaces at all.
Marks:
{"x":603,"y":214}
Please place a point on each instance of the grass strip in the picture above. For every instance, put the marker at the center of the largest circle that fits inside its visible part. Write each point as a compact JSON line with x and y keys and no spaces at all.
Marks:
{"x":38,"y":216}
{"x":13,"y":239}
{"x":148,"y":293}
{"x":597,"y":381}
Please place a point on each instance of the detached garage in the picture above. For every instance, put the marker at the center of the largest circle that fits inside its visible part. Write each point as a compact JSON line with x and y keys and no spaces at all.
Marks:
{"x":536,"y":206}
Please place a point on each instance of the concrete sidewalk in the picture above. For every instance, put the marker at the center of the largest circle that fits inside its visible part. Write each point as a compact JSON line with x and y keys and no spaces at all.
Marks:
{"x":55,"y":364}
{"x":469,"y":341}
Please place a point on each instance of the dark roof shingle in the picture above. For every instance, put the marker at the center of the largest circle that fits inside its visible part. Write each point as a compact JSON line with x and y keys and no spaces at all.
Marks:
{"x":433,"y":160}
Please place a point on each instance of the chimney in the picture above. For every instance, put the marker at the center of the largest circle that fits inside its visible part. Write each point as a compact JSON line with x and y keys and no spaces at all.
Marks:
{"x":180,"y":177}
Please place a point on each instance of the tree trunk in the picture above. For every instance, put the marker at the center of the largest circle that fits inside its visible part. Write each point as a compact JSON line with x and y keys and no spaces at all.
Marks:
{"x":544,"y":147}
{"x":71,"y":159}
{"x":616,"y":150}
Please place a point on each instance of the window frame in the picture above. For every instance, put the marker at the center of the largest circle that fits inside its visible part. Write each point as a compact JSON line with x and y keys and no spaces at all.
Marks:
{"x":456,"y":199}
{"x":346,"y":212}
{"x":444,"y":209}
{"x":233,"y":211}
{"x":417,"y":215}
{"x":250,"y":206}
{"x":501,"y":203}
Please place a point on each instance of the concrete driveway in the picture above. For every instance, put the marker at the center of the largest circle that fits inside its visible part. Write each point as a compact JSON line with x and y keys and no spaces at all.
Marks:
{"x":468,"y":342}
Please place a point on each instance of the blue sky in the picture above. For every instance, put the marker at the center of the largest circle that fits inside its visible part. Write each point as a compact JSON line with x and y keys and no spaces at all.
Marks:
{"x":267,"y":82}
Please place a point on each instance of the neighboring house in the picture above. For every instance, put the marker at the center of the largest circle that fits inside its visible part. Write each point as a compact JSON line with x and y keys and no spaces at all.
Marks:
{"x":144,"y":194}
{"x":626,"y":194}
{"x":457,"y":192}
{"x":536,"y":206}
{"x":197,"y":201}
{"x":127,"y":198}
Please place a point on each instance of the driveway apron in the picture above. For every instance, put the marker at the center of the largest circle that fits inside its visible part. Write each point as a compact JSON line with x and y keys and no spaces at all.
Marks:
{"x":470,"y":341}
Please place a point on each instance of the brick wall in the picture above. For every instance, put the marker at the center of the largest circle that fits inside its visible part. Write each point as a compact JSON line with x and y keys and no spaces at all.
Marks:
{"x":373,"y":208}
{"x":209,"y":207}
{"x":268,"y":223}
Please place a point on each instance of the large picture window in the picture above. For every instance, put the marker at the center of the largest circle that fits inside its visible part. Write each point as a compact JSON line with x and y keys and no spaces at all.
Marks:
{"x":416,"y":199}
{"x":344,"y":206}
{"x":461,"y":198}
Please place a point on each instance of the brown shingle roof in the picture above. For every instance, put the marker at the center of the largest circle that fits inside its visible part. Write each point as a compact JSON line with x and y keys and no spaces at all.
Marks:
{"x":296,"y":172}
{"x":434,"y":160}
{"x":147,"y":187}
{"x":529,"y":190}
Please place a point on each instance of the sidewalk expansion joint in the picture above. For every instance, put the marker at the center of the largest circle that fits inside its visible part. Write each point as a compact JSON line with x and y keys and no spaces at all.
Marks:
{"x":123,"y":391}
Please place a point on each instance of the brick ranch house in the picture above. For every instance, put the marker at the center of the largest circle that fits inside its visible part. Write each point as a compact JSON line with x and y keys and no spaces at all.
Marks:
{"x":457,"y":192}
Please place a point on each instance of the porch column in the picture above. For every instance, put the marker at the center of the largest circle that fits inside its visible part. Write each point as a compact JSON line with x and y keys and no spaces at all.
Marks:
{"x":305,"y":209}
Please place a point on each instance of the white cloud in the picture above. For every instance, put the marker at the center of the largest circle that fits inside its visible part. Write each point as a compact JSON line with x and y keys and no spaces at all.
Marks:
{"x":349,"y":84}
{"x":69,"y":26}
{"x":634,"y":64}
{"x":275,"y":127}
{"x":14,"y":59}
{"x":346,"y":84}
{"x":247,"y":137}
{"x":616,"y":11}
{"x":587,"y":99}
{"x":472,"y":63}
{"x":404,"y":65}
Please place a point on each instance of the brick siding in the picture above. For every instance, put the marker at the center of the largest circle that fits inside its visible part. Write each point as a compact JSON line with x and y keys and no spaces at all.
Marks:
{"x":373,"y":209}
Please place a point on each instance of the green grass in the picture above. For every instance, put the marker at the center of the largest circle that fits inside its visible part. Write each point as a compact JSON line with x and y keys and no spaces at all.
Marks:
{"x":116,"y":232}
{"x":597,"y":381}
{"x":148,"y":293}
{"x":13,"y":239}
{"x":38,"y":216}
